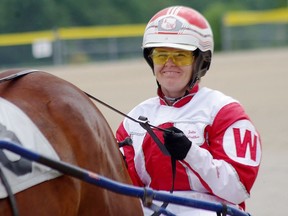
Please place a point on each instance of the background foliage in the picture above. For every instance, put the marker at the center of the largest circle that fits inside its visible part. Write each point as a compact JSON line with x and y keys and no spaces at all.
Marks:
{"x":32,"y":15}
{"x":18,"y":16}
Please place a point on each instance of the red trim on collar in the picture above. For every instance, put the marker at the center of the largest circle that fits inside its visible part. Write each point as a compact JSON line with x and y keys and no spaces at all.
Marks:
{"x":181,"y":102}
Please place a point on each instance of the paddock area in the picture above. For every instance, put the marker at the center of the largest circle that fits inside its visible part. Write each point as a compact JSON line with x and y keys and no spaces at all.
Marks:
{"x":258,"y":79}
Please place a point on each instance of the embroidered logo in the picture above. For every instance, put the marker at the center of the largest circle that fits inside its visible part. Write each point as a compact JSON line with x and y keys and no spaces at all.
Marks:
{"x":192,"y":134}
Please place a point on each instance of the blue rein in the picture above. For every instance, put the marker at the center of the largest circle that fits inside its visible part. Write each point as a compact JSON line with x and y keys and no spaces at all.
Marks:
{"x":146,"y":194}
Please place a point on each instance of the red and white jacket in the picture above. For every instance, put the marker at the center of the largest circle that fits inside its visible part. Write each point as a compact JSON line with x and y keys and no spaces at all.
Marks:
{"x":224,"y":159}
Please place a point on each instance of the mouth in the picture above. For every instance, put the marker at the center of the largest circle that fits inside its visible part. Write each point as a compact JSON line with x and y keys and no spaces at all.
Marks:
{"x":171,"y":73}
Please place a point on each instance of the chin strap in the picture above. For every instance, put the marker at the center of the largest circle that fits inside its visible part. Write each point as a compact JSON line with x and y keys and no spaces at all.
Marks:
{"x":171,"y":100}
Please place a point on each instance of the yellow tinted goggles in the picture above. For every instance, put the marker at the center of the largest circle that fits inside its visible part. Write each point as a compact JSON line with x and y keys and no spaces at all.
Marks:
{"x":179,"y":57}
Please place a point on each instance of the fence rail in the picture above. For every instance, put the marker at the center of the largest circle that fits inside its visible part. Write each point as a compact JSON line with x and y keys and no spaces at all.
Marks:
{"x":75,"y":33}
{"x":256,"y":17}
{"x":254,"y":29}
{"x":71,"y":45}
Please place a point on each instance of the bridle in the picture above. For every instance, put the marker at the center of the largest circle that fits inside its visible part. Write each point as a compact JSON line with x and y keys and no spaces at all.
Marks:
{"x":143,"y":121}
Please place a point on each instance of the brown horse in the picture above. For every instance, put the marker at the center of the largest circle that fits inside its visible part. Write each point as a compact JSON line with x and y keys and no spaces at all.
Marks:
{"x":81,"y":136}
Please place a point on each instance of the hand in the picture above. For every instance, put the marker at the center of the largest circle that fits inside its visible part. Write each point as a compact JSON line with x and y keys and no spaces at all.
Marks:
{"x":176,"y":143}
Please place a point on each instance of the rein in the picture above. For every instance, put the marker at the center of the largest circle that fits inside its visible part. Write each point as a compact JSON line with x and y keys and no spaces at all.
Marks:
{"x":10,"y":194}
{"x":144,"y":123}
{"x":16,"y":75}
{"x":145,"y":194}
{"x":141,"y":118}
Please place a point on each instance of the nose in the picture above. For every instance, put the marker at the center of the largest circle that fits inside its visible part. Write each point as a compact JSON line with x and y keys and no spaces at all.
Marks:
{"x":170,"y":61}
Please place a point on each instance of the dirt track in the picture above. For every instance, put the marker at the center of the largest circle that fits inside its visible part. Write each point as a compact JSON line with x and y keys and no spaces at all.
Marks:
{"x":258,"y":79}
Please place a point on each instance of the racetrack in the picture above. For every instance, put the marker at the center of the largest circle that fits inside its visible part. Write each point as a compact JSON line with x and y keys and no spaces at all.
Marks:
{"x":258,"y":79}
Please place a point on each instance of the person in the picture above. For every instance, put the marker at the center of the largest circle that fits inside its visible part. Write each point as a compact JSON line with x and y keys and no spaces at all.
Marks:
{"x":216,"y":146}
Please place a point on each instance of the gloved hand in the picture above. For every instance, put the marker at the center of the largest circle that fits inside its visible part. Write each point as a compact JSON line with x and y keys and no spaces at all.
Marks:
{"x":176,"y":143}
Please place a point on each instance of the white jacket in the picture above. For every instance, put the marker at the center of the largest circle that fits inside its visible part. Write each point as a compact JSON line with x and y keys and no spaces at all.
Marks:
{"x":224,"y":159}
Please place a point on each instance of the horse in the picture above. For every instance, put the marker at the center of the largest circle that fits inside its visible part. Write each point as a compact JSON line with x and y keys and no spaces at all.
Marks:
{"x":81,"y":136}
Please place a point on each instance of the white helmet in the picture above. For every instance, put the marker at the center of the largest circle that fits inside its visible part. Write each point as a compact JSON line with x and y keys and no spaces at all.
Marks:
{"x":183,"y":28}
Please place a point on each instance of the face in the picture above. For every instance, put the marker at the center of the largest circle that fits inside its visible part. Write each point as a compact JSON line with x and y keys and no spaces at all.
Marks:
{"x":173,"y":70}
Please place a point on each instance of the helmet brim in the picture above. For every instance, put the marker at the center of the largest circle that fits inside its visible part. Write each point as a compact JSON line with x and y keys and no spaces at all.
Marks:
{"x":171,"y":45}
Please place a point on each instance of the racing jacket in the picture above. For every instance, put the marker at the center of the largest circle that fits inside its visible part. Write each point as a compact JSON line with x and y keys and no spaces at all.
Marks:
{"x":225,"y":155}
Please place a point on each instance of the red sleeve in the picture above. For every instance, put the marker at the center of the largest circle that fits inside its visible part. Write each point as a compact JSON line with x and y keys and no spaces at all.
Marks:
{"x":129,"y":154}
{"x":235,"y":153}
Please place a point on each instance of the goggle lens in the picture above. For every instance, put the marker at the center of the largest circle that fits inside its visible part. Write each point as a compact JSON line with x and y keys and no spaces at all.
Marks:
{"x":180,"y":58}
